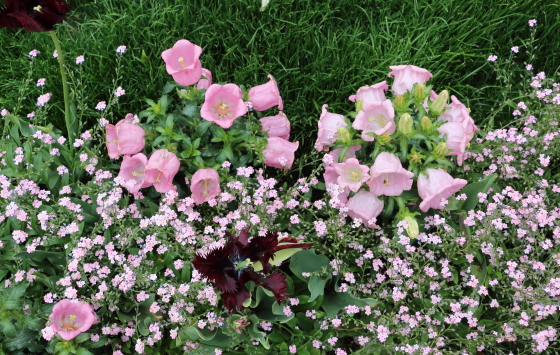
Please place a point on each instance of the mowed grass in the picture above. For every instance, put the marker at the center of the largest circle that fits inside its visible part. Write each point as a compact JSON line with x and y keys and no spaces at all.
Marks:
{"x":319,"y":51}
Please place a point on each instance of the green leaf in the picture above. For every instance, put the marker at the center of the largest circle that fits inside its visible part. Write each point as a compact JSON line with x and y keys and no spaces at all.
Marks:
{"x":22,"y":340}
{"x":317,"y":286}
{"x":255,"y":333}
{"x":332,"y":303}
{"x":307,"y":261}
{"x":7,"y":328}
{"x":82,"y":337}
{"x":82,"y":351}
{"x":472,"y":191}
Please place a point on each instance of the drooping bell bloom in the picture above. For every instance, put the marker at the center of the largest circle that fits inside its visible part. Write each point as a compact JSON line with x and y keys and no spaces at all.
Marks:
{"x":276,"y":126}
{"x":388,"y":177}
{"x":350,"y":153}
{"x":331,"y":177}
{"x":406,"y":76}
{"x":205,"y":81}
{"x":266,"y":96}
{"x":435,"y":185}
{"x":375,"y":117}
{"x":459,"y":113}
{"x":223,"y":104}
{"x":228,"y":267}
{"x":124,"y":138}
{"x":328,"y":126}
{"x":134,"y":168}
{"x":351,"y":174}
{"x":182,"y":63}
{"x":280,"y":153}
{"x":374,"y":92}
{"x":71,"y":318}
{"x":365,"y":206}
{"x":457,"y":139}
{"x":205,"y":185}
{"x":161,"y":169}
{"x":33,"y":15}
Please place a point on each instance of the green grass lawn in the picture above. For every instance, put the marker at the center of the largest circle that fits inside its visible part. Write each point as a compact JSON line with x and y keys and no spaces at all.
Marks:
{"x":319,"y":51}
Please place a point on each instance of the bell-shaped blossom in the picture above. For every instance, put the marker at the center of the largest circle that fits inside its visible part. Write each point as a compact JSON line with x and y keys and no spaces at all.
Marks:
{"x":331,"y":178}
{"x":365,"y":206}
{"x":279,"y":153}
{"x":375,"y":117}
{"x":33,"y":15}
{"x":223,"y":104}
{"x":161,"y":169}
{"x":70,"y":318}
{"x":182,"y":63}
{"x":351,"y":174}
{"x":124,"y":137}
{"x":459,"y":113}
{"x":457,"y":139}
{"x":205,"y":81}
{"x":374,"y":92}
{"x":437,"y":185}
{"x":350,"y":153}
{"x":276,"y":126}
{"x":388,"y":177}
{"x":266,"y":96}
{"x":205,"y":185}
{"x":406,"y":76}
{"x":328,"y":126}
{"x":133,"y":169}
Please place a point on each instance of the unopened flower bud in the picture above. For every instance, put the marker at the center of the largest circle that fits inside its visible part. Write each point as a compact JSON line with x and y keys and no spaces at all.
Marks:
{"x":425,"y":123}
{"x":343,"y":135}
{"x":405,"y":124}
{"x":439,"y":103}
{"x":412,"y":228}
{"x":441,"y":149}
{"x":400,"y":104}
{"x":419,"y":92}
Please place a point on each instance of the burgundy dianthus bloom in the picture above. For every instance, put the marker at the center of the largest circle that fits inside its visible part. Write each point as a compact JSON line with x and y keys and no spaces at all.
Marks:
{"x":221,"y":266}
{"x":33,"y":15}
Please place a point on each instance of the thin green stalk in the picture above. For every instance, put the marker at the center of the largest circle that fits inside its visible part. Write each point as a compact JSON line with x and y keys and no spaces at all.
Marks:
{"x":67,"y":116}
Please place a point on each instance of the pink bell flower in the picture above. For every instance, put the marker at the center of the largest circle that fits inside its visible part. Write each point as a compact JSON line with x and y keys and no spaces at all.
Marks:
{"x":459,"y":113}
{"x":388,"y":177}
{"x":328,"y":126}
{"x":182,"y":63}
{"x":350,"y":153}
{"x":266,"y":96}
{"x":365,"y":206}
{"x":133,"y":168}
{"x":331,"y":176}
{"x":124,"y":138}
{"x":279,"y":153}
{"x":276,"y":126}
{"x":435,"y":185}
{"x":406,"y":76}
{"x":351,"y":174}
{"x":71,"y":318}
{"x":375,"y":117}
{"x":206,"y":82}
{"x":205,"y":185}
{"x":223,"y":104}
{"x":161,"y":169}
{"x":457,"y":139}
{"x":374,"y":92}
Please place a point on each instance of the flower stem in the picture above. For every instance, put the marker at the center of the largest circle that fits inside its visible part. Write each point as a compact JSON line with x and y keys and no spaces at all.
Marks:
{"x":67,"y":116}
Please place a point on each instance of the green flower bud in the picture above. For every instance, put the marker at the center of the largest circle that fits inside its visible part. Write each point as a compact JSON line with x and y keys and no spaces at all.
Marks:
{"x":441,"y":149}
{"x":400,"y":104}
{"x":419,"y":92}
{"x":343,"y":135}
{"x":425,"y":123}
{"x":412,"y":228}
{"x":437,"y":106}
{"x":405,"y":124}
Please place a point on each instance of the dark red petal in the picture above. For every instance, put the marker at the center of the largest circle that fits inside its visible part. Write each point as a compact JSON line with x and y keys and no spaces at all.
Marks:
{"x":218,"y":267}
{"x":244,"y":236}
{"x":261,"y":249}
{"x":275,"y":282}
{"x":234,"y":300}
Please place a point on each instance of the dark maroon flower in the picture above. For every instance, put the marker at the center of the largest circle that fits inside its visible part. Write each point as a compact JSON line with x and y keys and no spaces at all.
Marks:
{"x":229,"y":267}
{"x":33,"y":15}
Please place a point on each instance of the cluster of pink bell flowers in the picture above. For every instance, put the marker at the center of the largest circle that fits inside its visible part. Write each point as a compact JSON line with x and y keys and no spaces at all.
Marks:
{"x":223,"y":104}
{"x":418,"y":128}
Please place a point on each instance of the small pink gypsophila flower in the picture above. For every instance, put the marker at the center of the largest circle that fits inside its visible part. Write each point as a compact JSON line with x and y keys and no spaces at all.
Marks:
{"x":435,"y":185}
{"x":406,"y":76}
{"x":351,"y":174}
{"x":223,"y":104}
{"x":376,"y":117}
{"x":205,"y":185}
{"x":265,"y":96}
{"x":492,"y":58}
{"x":532,"y":23}
{"x":388,"y":177}
{"x":43,"y":99}
{"x":182,"y":63}
{"x":71,"y":318}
